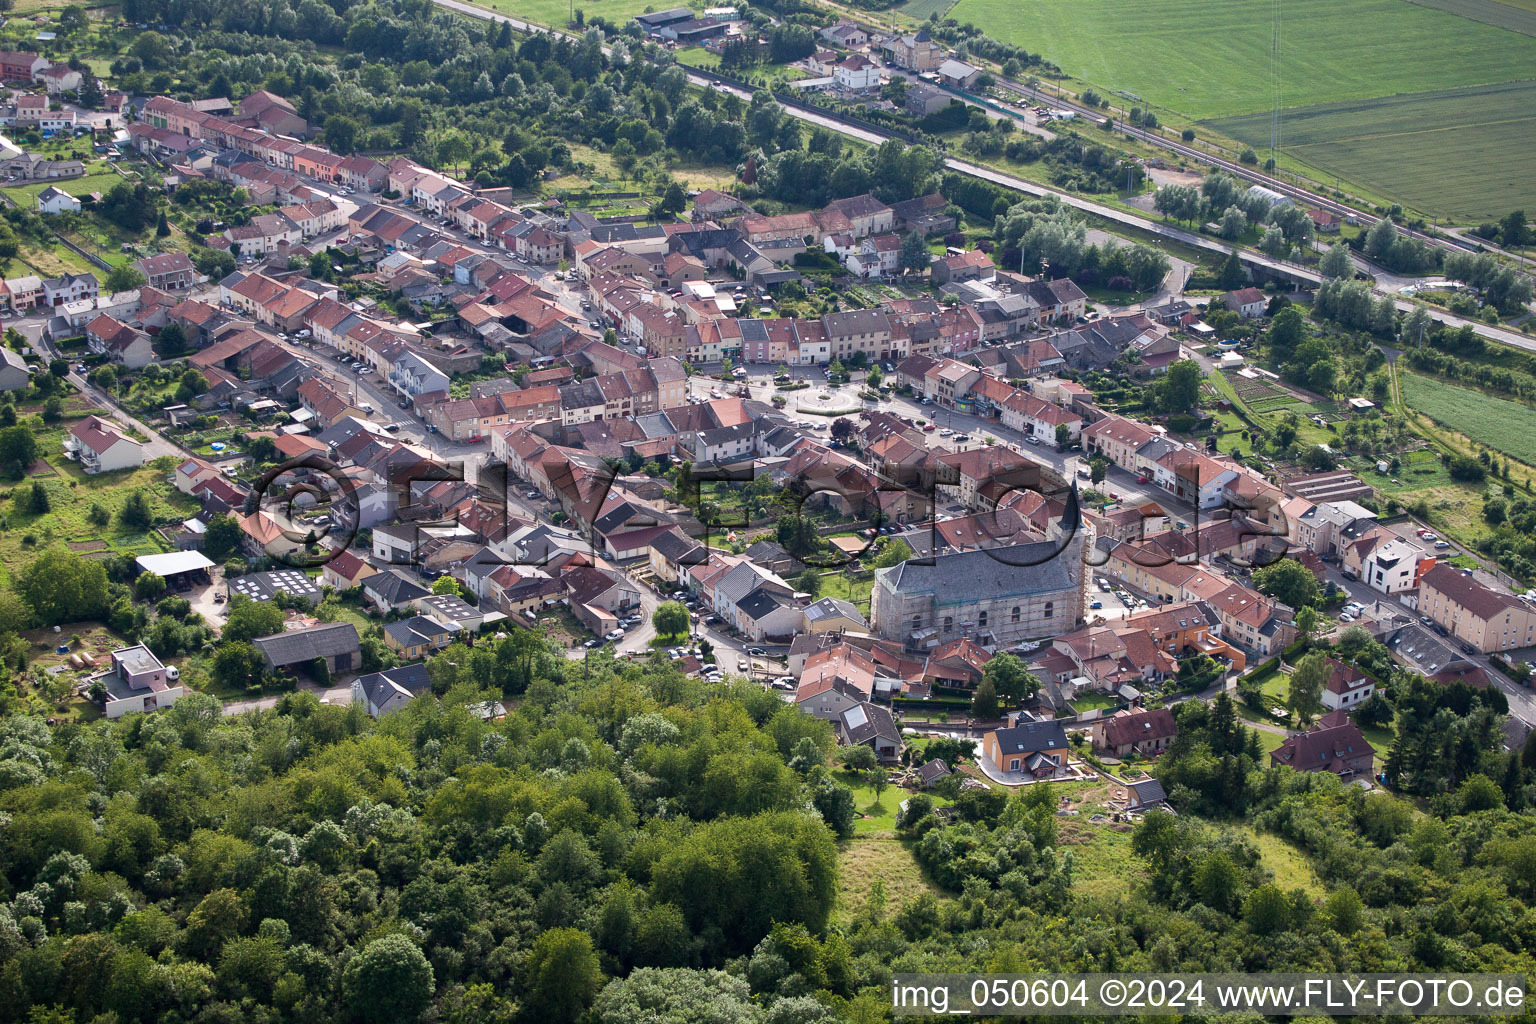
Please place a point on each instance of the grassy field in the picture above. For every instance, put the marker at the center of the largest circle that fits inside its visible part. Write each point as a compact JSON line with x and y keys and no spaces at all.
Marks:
{"x":1104,"y":864}
{"x":1212,"y":60}
{"x":53,"y":261}
{"x":1505,"y":426}
{"x":1288,"y":864}
{"x":1506,"y":14}
{"x":1413,"y":146}
{"x":26,"y":195}
{"x":920,"y":9}
{"x":558,"y":13}
{"x":863,"y":861}
{"x":71,"y":493}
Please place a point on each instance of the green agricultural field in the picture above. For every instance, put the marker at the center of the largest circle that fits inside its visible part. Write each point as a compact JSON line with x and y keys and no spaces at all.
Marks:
{"x":1212,"y":60}
{"x":920,"y":9}
{"x":1502,"y":425}
{"x":1490,"y":12}
{"x":1413,"y":147}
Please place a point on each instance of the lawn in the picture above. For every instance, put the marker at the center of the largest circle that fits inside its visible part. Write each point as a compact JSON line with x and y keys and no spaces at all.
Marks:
{"x":1093,"y":701}
{"x":26,"y":195}
{"x":878,"y":817}
{"x":1502,"y":425}
{"x":1270,"y":741}
{"x":1212,"y":60}
{"x":1380,"y":740}
{"x":1413,"y":146}
{"x":856,"y":592}
{"x":698,"y":57}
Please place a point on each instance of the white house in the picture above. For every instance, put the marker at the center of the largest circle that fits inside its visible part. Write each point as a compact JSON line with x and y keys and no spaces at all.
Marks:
{"x":857,"y":74}
{"x":1247,"y":302}
{"x":61,"y":78}
{"x":52,"y":200}
{"x":101,"y":447}
{"x":1347,"y":686}
{"x":877,"y":256}
{"x":58,"y":291}
{"x":379,"y":693}
{"x":413,"y":375}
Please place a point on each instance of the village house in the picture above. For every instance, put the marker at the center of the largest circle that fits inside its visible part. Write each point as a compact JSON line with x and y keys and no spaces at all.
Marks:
{"x":124,"y":345}
{"x":53,"y":200}
{"x":1037,"y":749}
{"x":1347,"y":686}
{"x":100,"y":446}
{"x":1335,"y":744}
{"x":379,"y":693}
{"x":1249,"y":303}
{"x":167,"y":271}
{"x":1140,"y":733}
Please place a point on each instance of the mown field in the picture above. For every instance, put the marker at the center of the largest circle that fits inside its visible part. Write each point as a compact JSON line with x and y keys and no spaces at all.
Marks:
{"x":1415,"y":147}
{"x":1212,"y":60}
{"x":921,"y":9}
{"x":26,"y":195}
{"x":558,"y":12}
{"x":1502,"y":425}
{"x":1517,"y":16}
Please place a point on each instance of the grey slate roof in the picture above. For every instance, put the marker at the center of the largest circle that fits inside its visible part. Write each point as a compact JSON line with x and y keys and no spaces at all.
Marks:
{"x":394,"y":587}
{"x":301,"y":645}
{"x":1148,"y":791}
{"x":760,"y":602}
{"x":1030,"y":737}
{"x":865,"y":722}
{"x":418,"y":629}
{"x":991,"y":572}
{"x":380,"y":686}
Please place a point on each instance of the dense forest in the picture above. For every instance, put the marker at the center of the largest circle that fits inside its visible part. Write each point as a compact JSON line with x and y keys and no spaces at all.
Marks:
{"x":627,"y":837}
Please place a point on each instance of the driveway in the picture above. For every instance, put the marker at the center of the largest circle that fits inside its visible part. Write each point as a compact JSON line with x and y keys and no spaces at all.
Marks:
{"x":202,"y":600}
{"x":339,"y":695}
